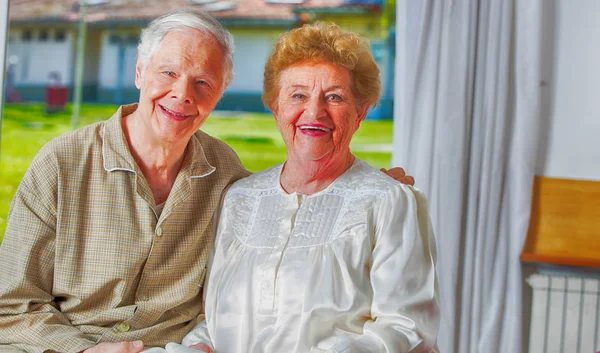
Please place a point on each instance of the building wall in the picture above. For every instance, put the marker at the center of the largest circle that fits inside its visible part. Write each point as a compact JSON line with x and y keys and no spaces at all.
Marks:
{"x":382,"y":47}
{"x":36,"y":58}
{"x":252,"y":48}
{"x":116,"y":71}
{"x":111,"y":55}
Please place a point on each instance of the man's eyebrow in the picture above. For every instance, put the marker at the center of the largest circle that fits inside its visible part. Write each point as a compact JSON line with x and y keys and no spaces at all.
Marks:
{"x":166,"y":64}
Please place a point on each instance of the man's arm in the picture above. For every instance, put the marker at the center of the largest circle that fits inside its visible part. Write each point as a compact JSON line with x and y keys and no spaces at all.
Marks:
{"x":29,"y":312}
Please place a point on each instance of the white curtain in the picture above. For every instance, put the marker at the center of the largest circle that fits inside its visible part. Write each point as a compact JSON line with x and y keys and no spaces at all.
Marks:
{"x":466,"y":116}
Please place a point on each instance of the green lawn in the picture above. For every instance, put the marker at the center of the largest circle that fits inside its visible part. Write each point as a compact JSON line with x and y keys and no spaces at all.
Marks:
{"x":25,"y":129}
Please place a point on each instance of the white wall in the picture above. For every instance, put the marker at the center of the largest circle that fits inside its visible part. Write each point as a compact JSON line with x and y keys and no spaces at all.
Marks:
{"x":36,"y":59}
{"x":570,"y":143}
{"x":108,"y":70}
{"x":251,"y":53}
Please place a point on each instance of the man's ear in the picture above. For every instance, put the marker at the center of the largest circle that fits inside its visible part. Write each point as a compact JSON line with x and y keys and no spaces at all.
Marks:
{"x":138,"y":73}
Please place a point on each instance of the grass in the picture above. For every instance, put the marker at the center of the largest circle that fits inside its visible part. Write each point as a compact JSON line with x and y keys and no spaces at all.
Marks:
{"x":26,"y":128}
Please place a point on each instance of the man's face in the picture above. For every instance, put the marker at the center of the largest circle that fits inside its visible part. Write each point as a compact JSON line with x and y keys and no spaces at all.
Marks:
{"x":180,"y":85}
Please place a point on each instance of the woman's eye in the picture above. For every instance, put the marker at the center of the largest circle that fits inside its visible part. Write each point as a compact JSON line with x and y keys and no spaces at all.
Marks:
{"x":169,"y":73}
{"x":334,"y":97}
{"x":298,"y":95}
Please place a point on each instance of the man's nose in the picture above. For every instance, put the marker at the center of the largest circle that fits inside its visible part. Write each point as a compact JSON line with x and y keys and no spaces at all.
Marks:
{"x":183,"y":90}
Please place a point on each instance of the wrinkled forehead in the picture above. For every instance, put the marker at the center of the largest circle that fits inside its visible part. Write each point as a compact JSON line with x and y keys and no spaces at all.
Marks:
{"x":316,"y":75}
{"x":188,"y":36}
{"x":190,"y":48}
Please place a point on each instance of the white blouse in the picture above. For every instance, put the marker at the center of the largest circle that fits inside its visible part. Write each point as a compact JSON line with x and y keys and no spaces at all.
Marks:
{"x":348,"y":269}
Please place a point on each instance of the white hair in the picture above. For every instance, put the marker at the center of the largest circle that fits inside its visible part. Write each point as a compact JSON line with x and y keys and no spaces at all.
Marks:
{"x":152,"y":35}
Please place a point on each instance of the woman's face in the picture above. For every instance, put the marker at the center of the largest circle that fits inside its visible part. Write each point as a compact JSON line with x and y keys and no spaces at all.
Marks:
{"x":316,"y":111}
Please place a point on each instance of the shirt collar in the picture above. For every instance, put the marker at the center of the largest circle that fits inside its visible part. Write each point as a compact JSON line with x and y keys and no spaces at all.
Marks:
{"x":116,"y":154}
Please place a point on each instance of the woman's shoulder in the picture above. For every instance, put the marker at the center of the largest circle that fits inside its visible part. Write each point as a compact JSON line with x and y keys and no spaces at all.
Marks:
{"x":363,"y":178}
{"x":266,"y":180}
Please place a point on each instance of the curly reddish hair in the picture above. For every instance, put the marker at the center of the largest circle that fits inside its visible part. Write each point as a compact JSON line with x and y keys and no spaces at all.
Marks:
{"x":323,"y":42}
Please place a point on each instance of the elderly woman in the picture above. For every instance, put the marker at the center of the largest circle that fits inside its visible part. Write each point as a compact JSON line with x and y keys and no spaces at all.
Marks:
{"x":322,"y":253}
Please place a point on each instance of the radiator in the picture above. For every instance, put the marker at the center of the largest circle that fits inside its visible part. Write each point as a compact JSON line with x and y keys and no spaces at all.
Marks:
{"x":565,"y":313}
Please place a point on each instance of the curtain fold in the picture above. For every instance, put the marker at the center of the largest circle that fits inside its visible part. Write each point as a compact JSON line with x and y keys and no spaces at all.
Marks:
{"x":465,"y":125}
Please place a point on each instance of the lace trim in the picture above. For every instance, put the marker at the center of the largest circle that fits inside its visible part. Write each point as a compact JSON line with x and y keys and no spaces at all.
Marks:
{"x":361,"y":188}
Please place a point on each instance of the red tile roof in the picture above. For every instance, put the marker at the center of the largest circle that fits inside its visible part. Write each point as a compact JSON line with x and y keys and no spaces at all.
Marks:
{"x":144,"y":10}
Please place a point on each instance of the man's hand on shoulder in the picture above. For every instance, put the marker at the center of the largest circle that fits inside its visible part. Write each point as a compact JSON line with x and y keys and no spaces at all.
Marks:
{"x":399,"y":174}
{"x":121,"y":347}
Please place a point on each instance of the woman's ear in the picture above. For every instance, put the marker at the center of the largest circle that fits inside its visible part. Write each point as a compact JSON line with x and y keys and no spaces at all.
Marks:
{"x":362,"y":114}
{"x":273,"y":108}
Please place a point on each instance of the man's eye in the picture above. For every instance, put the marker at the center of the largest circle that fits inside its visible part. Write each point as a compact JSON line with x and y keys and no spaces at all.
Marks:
{"x":169,"y":73}
{"x":203,"y":83}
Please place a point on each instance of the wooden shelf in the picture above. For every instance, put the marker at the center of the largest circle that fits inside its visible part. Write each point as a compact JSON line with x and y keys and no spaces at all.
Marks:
{"x":564,"y":227}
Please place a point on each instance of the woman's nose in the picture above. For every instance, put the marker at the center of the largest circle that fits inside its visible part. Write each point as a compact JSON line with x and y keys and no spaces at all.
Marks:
{"x":316,"y":107}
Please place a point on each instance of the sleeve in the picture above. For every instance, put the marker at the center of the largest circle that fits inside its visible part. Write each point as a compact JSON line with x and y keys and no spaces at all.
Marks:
{"x":405,"y":310}
{"x":197,"y":335}
{"x":28,"y":311}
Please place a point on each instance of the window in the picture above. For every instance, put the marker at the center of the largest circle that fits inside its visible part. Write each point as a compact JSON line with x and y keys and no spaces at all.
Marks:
{"x":114,"y":39}
{"x":27,"y":35}
{"x":291,"y":2}
{"x":95,"y":2}
{"x":43,"y":36}
{"x":60,"y":35}
{"x":132,"y":39}
{"x":219,"y":6}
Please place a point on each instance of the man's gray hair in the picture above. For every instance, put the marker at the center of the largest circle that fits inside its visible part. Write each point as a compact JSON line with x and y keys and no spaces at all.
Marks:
{"x":180,"y":19}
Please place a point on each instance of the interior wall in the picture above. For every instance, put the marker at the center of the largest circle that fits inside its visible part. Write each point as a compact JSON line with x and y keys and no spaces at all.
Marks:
{"x":569,"y":144}
{"x":570,"y":132}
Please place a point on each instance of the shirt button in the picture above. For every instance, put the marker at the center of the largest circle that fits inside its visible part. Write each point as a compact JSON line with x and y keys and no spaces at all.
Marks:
{"x":158,"y":231}
{"x":122,"y":327}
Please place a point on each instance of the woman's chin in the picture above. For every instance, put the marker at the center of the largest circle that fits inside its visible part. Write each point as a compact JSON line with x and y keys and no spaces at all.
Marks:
{"x":312,"y":156}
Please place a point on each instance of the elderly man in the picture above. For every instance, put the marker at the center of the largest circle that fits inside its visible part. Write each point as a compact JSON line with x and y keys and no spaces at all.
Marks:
{"x":109,"y":230}
{"x":108,"y":233}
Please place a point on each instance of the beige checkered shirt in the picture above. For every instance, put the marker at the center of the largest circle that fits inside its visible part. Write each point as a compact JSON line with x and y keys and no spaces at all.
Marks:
{"x":85,"y":258}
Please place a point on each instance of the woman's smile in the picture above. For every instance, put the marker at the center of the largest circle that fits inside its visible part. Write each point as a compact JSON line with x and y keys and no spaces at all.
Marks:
{"x":314,"y":130}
